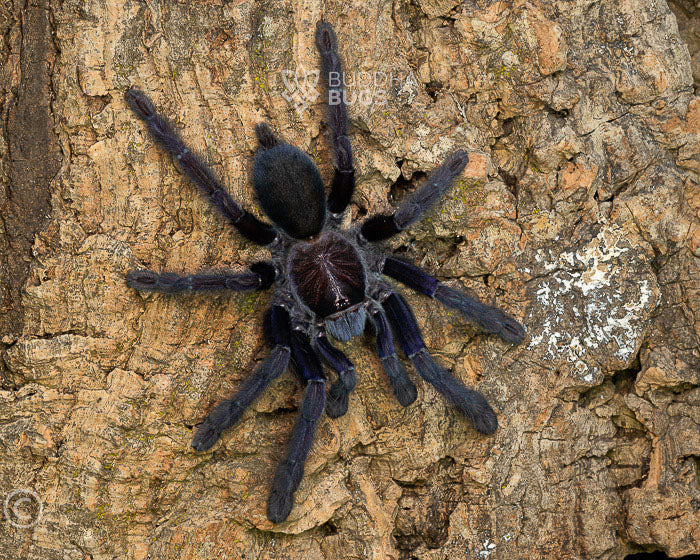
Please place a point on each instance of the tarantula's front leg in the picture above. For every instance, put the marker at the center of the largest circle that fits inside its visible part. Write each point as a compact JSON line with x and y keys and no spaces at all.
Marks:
{"x":337,"y":403}
{"x":331,"y":68}
{"x":228,"y":412}
{"x":260,"y":276}
{"x":291,"y":469}
{"x":404,"y":389}
{"x":491,"y":319}
{"x":469,"y":402}
{"x":410,"y":210}
{"x":161,"y":130}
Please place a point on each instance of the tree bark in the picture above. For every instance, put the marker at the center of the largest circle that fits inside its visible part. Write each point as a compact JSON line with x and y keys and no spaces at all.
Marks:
{"x":578,"y":214}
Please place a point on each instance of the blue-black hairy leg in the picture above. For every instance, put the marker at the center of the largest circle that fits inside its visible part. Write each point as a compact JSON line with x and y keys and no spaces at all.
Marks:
{"x":199,"y":173}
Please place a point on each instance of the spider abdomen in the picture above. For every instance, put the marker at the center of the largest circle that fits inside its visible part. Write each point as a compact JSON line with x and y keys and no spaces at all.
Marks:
{"x":290,"y":189}
{"x":328,"y":275}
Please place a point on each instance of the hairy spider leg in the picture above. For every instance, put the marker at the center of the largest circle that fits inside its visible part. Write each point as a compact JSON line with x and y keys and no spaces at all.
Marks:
{"x":491,"y":319}
{"x":161,"y":130}
{"x":383,"y":226}
{"x":403,"y":387}
{"x":337,"y":398}
{"x":290,"y":471}
{"x":229,"y":411}
{"x":331,"y":68}
{"x":468,"y":402}
{"x":260,"y":276}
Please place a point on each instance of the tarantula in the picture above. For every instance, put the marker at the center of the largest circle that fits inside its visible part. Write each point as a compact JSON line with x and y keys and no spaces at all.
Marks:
{"x":326,"y":280}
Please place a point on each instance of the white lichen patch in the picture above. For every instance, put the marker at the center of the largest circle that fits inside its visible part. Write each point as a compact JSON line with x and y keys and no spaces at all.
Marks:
{"x":509,"y":58}
{"x":592,"y":307}
{"x":487,"y":547}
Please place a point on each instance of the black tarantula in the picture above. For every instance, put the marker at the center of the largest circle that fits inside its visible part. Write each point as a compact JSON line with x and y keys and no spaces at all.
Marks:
{"x":326,"y":280}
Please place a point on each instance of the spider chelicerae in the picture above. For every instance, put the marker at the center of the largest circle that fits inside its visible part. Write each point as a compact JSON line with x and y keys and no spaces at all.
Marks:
{"x":326,"y":280}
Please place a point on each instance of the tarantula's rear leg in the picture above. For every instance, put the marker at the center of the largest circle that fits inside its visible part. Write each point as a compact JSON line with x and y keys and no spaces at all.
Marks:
{"x":404,"y":389}
{"x":491,"y":319}
{"x":291,"y":469}
{"x":469,"y":402}
{"x":337,"y":403}
{"x":161,"y":130}
{"x":260,"y":276}
{"x":228,"y":412}
{"x":331,"y":68}
{"x":416,"y":204}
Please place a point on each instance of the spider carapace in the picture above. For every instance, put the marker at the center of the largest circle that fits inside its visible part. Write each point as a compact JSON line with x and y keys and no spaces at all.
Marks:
{"x":328,"y":276}
{"x":326,"y":280}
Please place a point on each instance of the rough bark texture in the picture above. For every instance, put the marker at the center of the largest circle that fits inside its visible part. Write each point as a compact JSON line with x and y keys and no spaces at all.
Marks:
{"x":578,"y":213}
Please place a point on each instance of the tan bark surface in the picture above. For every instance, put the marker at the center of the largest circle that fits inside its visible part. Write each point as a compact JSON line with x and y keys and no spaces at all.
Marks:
{"x":578,"y":213}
